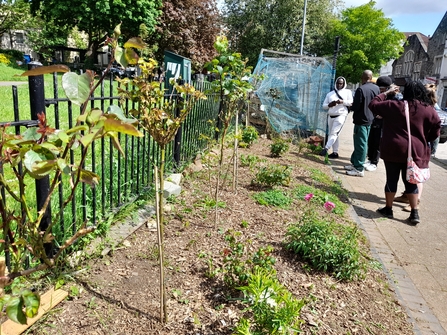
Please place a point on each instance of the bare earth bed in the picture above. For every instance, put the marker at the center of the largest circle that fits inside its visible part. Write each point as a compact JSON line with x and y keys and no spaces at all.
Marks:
{"x":119,"y":293}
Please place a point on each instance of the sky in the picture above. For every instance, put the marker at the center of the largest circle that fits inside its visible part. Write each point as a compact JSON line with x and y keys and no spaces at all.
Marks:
{"x":421,"y":16}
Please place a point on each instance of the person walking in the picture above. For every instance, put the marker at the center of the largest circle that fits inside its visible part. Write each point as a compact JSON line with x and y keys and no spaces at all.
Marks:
{"x":433,"y":100}
{"x":375,"y":133}
{"x":337,"y":103}
{"x":425,"y":127}
{"x":362,"y":118}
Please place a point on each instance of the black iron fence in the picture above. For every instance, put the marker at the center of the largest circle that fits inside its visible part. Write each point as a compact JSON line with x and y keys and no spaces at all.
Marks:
{"x":122,"y":178}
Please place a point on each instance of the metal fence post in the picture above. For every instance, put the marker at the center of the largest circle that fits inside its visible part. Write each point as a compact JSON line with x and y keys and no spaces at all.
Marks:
{"x":37,"y":105}
{"x":177,"y":143}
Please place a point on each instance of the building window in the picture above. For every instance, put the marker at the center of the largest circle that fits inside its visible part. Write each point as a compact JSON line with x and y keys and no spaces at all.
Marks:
{"x":417,"y":70}
{"x":398,"y":70}
{"x":19,"y":39}
{"x":437,"y":65}
{"x":408,"y":63}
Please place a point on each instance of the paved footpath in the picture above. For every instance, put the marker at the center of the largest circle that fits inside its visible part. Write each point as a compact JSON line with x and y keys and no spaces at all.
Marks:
{"x":414,"y":257}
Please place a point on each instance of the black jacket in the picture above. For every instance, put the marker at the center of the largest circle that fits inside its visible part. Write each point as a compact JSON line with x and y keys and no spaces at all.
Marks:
{"x":363,"y":95}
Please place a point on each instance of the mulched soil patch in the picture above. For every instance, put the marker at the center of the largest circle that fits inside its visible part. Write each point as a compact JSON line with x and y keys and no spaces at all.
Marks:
{"x":119,"y":293}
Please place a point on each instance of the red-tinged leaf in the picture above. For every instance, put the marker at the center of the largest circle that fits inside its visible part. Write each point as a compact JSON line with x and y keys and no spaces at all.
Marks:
{"x":45,"y":70}
{"x":89,"y":177}
{"x":117,"y":145}
{"x":113,"y":125}
{"x":77,"y":87}
{"x":135,"y":42}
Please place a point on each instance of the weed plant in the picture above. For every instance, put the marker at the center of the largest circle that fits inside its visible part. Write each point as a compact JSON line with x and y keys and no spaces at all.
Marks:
{"x":273,"y":175}
{"x":274,"y":198}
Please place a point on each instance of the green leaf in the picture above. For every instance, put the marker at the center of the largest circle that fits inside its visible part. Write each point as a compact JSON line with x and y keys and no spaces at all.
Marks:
{"x":95,"y":115}
{"x":32,"y":303}
{"x":120,"y":57}
{"x":31,"y":134}
{"x":120,"y":114}
{"x":31,"y":158}
{"x":43,"y":168}
{"x":63,"y":166}
{"x":62,"y":135}
{"x":76,"y":129}
{"x":77,"y":87}
{"x":87,"y":139}
{"x":14,"y":310}
{"x":89,"y":177}
{"x":111,"y":125}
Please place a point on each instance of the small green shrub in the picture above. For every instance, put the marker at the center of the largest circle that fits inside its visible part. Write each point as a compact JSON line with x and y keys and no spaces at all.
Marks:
{"x":275,"y":198}
{"x":238,"y":263}
{"x":279,"y":147}
{"x":273,"y":175}
{"x":327,"y":246}
{"x":249,"y":135}
{"x":249,"y":160}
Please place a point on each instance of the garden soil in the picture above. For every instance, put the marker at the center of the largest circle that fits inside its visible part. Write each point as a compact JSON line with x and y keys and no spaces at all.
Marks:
{"x":118,"y":293}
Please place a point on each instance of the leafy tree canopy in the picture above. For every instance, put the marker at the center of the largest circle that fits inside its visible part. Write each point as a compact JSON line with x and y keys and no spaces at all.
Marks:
{"x":367,"y":41}
{"x":277,"y":25}
{"x":99,"y":17}
{"x":188,"y":28}
{"x":13,"y":15}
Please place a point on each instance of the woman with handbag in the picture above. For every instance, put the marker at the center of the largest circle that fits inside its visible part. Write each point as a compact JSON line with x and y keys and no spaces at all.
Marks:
{"x":424,"y":125}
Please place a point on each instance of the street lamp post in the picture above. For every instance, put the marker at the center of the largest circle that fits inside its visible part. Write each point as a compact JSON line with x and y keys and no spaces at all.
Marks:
{"x":304,"y":25}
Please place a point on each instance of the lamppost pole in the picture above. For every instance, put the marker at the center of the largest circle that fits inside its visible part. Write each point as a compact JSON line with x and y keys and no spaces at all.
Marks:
{"x":304,"y":25}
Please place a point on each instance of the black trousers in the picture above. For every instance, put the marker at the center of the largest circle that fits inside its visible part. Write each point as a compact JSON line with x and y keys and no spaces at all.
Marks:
{"x":374,"y":144}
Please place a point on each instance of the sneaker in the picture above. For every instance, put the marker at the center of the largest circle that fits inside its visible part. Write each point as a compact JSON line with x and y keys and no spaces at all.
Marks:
{"x":414,"y":217}
{"x":367,"y":163}
{"x":355,"y":172}
{"x":402,"y":198}
{"x":323,"y":152}
{"x":333,"y":155}
{"x":349,"y":167}
{"x":371,"y":167}
{"x":386,"y":211}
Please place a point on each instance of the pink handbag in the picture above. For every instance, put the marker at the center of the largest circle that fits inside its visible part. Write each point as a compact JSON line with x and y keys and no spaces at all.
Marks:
{"x":415,"y":175}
